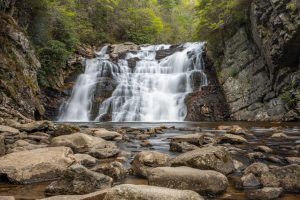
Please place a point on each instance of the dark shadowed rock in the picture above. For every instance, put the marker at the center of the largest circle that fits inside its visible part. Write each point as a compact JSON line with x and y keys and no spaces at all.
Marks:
{"x":65,"y":129}
{"x":186,"y":178}
{"x":2,"y":145}
{"x":85,"y":160}
{"x":207,"y":158}
{"x":250,"y":180}
{"x":182,"y":147}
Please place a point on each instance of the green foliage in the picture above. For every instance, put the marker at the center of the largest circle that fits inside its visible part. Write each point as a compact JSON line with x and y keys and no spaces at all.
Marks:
{"x":53,"y":57}
{"x":289,"y":99}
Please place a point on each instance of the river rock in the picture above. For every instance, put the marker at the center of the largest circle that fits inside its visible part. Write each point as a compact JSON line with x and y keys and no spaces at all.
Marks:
{"x":7,"y":129}
{"x":78,"y":180}
{"x":250,"y":180}
{"x":36,"y":165}
{"x":106,"y":134}
{"x":238,"y":166}
{"x":145,"y":192}
{"x":286,"y":177}
{"x":257,"y":169}
{"x":37,"y":126}
{"x":65,"y":129}
{"x":264,"y":149}
{"x":266,"y":193}
{"x":207,"y":158}
{"x":232,"y":139}
{"x":147,"y":160}
{"x":2,"y":145}
{"x":114,"y":169}
{"x":195,"y":139}
{"x":279,"y":135}
{"x":182,"y":147}
{"x":186,"y":178}
{"x":118,"y":50}
{"x":85,"y":160}
{"x":22,"y":145}
{"x":99,"y":195}
{"x":256,"y":156}
{"x":83,"y":143}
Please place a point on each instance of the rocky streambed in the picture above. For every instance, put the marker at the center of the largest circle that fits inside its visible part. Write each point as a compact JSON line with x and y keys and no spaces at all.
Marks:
{"x":149,"y":160}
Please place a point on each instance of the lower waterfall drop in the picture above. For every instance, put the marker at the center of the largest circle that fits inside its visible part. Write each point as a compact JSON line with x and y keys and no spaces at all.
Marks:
{"x":152,"y":91}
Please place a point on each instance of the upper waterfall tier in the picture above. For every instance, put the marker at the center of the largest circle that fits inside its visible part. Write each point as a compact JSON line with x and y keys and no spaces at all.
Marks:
{"x":139,"y":87}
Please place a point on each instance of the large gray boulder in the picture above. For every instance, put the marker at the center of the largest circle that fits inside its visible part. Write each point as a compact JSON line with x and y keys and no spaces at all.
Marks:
{"x":286,"y":177}
{"x":186,"y":178}
{"x":207,"y":158}
{"x":79,"y":180}
{"x":147,"y":160}
{"x":83,"y":143}
{"x":37,"y":165}
{"x":264,"y":193}
{"x":145,"y":192}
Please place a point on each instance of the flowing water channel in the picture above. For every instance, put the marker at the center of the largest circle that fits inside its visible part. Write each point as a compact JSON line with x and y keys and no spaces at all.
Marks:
{"x":154,"y":90}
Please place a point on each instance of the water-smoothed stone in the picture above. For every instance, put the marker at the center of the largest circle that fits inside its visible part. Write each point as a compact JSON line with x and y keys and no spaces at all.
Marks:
{"x":182,"y":147}
{"x":256,"y":156}
{"x":99,"y":195}
{"x":106,"y":134}
{"x":85,"y":160}
{"x":37,"y":165}
{"x":232,"y":139}
{"x":264,"y":149}
{"x":250,"y":180}
{"x":114,"y":169}
{"x":195,"y":139}
{"x":8,"y":129}
{"x":238,"y":166}
{"x":266,"y":193}
{"x":257,"y":169}
{"x":65,"y":129}
{"x":22,"y":145}
{"x":37,"y":126}
{"x":279,"y":135}
{"x":147,"y":160}
{"x":83,"y":143}
{"x":145,"y":192}
{"x":286,"y":177}
{"x":186,"y":178}
{"x":78,"y":180}
{"x":207,"y":158}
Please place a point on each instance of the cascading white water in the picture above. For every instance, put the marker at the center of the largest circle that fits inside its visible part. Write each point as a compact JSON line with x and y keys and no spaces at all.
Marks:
{"x":154,"y":90}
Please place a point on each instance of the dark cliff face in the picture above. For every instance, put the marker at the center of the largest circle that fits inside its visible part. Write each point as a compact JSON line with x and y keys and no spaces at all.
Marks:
{"x":19,"y":90}
{"x":260,"y":72}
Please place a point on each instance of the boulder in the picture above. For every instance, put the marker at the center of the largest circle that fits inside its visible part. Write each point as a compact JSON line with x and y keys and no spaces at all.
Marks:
{"x":147,"y":160}
{"x":186,"y":178}
{"x":118,"y":50}
{"x":279,"y":135}
{"x":182,"y":147}
{"x":85,"y":160}
{"x":22,"y":145}
{"x":78,"y":180}
{"x":207,"y":158}
{"x":83,"y":143}
{"x":250,"y":180}
{"x":257,"y":169}
{"x":114,"y":169}
{"x":286,"y":177}
{"x":99,"y":195}
{"x":195,"y":139}
{"x":37,"y":165}
{"x":7,"y":129}
{"x":65,"y":129}
{"x":238,"y":166}
{"x":106,"y":134}
{"x":264,"y":149}
{"x":232,"y":139}
{"x":145,"y":192}
{"x":291,"y":160}
{"x":266,"y":193}
{"x":37,"y":126}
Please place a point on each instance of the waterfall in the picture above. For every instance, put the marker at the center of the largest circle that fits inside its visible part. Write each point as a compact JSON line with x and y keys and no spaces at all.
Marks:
{"x":153,"y":90}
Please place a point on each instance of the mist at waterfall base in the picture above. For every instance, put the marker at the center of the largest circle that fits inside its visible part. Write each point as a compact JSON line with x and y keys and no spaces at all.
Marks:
{"x":153,"y":91}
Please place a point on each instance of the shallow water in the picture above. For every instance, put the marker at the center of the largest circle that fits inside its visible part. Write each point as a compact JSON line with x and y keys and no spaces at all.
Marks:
{"x":261,"y":131}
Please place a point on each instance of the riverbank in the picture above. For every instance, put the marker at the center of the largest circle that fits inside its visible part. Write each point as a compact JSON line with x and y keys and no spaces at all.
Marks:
{"x":226,"y":160}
